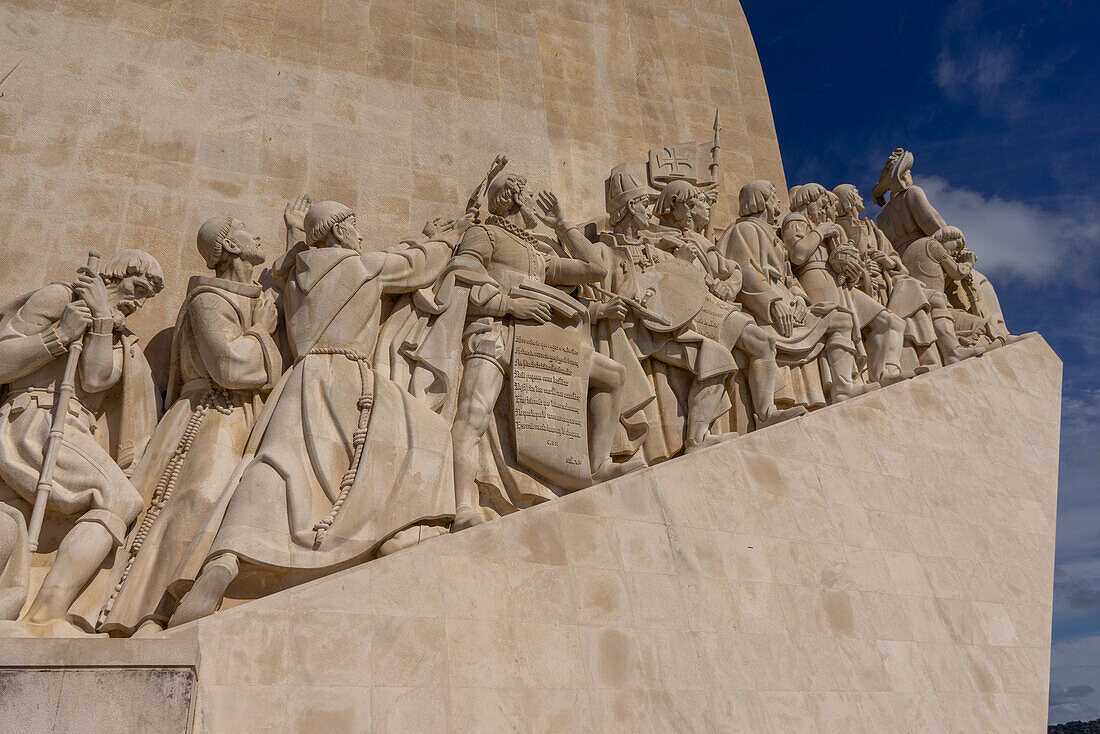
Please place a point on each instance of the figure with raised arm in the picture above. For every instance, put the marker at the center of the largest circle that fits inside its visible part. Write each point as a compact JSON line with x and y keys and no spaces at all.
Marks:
{"x":510,"y":271}
{"x":347,"y":465}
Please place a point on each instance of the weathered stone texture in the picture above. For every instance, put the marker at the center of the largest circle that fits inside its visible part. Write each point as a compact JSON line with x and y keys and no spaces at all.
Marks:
{"x":883,"y":565}
{"x":91,"y":686}
{"x":129,"y":123}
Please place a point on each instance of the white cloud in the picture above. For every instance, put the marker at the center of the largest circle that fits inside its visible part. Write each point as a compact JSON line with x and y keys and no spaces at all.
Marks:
{"x":1017,"y":239}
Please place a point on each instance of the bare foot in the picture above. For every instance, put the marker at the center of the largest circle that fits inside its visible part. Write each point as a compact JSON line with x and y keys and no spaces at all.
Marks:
{"x":49,"y":629}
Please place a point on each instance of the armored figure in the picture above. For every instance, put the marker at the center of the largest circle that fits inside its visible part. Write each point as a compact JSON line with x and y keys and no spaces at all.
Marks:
{"x":110,"y":416}
{"x":685,"y":209}
{"x":504,"y":265}
{"x":224,"y":360}
{"x":688,"y":371}
{"x":347,"y":464}
{"x":831,"y":270}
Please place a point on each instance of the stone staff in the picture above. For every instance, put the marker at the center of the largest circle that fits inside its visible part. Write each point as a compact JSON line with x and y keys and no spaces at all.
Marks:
{"x":57,"y":428}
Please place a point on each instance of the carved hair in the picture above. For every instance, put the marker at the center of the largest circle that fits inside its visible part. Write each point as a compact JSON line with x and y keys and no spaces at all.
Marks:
{"x":211,"y":239}
{"x":753,"y":197}
{"x":321,"y":218}
{"x":846,"y":195}
{"x":676,"y":192}
{"x":501,"y":196}
{"x":897,"y":165}
{"x":125,"y":263}
{"x":807,"y":194}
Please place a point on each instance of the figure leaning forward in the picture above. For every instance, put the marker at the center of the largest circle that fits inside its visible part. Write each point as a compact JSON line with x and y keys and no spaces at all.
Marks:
{"x":111,"y":414}
{"x":347,"y":464}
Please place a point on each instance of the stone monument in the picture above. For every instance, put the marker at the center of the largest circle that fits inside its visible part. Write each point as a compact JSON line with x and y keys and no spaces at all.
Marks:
{"x":693,"y":459}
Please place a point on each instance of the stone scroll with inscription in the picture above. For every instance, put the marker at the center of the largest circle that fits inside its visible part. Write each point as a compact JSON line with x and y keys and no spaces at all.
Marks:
{"x":550,"y":366}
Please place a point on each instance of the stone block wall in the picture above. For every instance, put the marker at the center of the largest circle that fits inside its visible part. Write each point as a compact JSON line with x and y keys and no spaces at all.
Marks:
{"x":883,"y":565}
{"x":129,"y":122}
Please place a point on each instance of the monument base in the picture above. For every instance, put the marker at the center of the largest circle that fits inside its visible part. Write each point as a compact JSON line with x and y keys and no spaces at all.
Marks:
{"x":87,"y":686}
{"x":882,"y":565}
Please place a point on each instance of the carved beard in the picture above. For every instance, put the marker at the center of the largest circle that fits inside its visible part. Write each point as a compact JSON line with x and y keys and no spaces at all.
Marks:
{"x":530,"y":221}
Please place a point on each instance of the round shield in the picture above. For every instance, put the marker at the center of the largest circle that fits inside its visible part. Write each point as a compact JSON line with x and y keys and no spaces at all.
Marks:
{"x":674,"y":290}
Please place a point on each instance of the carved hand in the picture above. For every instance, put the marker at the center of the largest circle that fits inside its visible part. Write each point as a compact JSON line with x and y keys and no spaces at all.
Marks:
{"x":721,"y":289}
{"x":93,"y":292}
{"x":74,"y":320}
{"x":799,"y":311}
{"x":267,"y":315}
{"x":549,"y":210}
{"x":613,"y":310}
{"x":295,"y":213}
{"x":530,"y":309}
{"x":782,"y":318}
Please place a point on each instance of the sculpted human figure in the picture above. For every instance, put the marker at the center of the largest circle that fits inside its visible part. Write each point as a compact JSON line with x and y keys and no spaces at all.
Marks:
{"x":111,"y":415}
{"x":347,"y":463}
{"x":510,"y":257}
{"x":801,"y":328}
{"x":224,"y":360}
{"x":702,"y":365}
{"x":888,"y":280}
{"x":684,"y":208}
{"x":831,"y":270}
{"x":908,"y":215}
{"x":937,"y":262}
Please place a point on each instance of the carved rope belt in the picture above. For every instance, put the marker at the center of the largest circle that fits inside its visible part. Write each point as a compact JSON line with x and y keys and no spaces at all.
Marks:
{"x":215,"y":397}
{"x":358,"y":437}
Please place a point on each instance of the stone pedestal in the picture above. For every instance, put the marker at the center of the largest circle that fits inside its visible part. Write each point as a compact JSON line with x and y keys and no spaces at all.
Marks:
{"x":97,"y":685}
{"x":883,"y":565}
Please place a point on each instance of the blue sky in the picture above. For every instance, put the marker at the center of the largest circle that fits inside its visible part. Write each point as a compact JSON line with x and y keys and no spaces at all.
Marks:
{"x":999,"y":102}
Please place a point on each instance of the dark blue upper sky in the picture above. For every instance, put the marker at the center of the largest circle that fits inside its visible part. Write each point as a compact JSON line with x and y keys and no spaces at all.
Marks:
{"x":999,"y":102}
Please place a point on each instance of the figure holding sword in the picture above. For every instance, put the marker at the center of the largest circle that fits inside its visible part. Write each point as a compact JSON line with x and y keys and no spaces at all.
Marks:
{"x":105,"y":407}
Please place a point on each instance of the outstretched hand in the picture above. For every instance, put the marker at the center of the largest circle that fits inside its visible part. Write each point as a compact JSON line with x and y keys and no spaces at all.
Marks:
{"x":295,"y":213}
{"x":549,"y":210}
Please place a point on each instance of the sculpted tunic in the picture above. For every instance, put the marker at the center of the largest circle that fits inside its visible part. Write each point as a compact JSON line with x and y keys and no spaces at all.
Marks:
{"x":222,"y":363}
{"x":337,"y":441}
{"x":766,"y":278}
{"x":104,"y":434}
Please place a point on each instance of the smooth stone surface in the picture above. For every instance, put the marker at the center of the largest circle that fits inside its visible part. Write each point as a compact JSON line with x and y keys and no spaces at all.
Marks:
{"x":97,"y":685}
{"x":799,"y":578}
{"x":135,"y":121}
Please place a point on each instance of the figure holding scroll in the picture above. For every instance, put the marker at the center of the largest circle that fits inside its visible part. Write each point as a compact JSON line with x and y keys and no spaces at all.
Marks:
{"x":519,"y":329}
